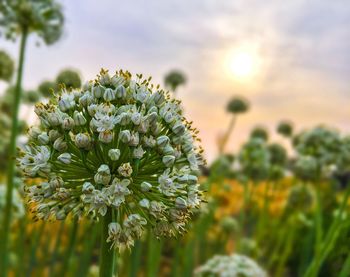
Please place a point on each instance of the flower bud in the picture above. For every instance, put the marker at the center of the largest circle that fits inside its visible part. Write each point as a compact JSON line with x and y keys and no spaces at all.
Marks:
{"x":169,"y":117}
{"x":61,"y":215}
{"x":180,"y":203}
{"x":144,"y":203}
{"x":124,"y":119}
{"x":56,"y":182}
{"x":97,"y":91}
{"x":82,"y":140}
{"x":87,"y":86}
{"x":125,"y":136}
{"x":79,"y":119}
{"x":162,"y":141}
{"x":34,"y":132}
{"x":106,"y":136}
{"x":149,"y":141}
{"x":144,"y":126}
{"x":104,"y":169}
{"x":187,"y":147}
{"x":105,"y":79}
{"x":145,"y":186}
{"x":136,"y":118}
{"x":54,"y":119}
{"x":192,"y":179}
{"x":68,"y":123}
{"x":67,"y":102}
{"x":65,"y":158}
{"x":168,"y":150}
{"x":93,"y":125}
{"x":142,"y":94}
{"x":152,"y":118}
{"x":43,"y":138}
{"x":53,"y":135}
{"x":103,"y":175}
{"x":77,"y":93}
{"x":117,"y":80}
{"x":125,"y":170}
{"x":168,"y":160}
{"x":121,"y":92}
{"x":39,"y":109}
{"x":60,"y":145}
{"x":109,"y":94}
{"x":86,"y":99}
{"x":134,"y":139}
{"x":88,"y":188}
{"x":114,"y":154}
{"x":158,"y":98}
{"x":92,"y":109}
{"x":178,"y":129}
{"x":138,"y":153}
{"x":177,"y":153}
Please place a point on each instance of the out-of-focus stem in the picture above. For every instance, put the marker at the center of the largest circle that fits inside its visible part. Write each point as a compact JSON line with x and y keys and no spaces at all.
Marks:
{"x":227,"y":134}
{"x":11,"y":160}
{"x":329,"y":240}
{"x":69,"y":251}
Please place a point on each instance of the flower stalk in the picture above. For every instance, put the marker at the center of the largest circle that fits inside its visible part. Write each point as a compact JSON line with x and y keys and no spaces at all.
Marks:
{"x":12,"y":153}
{"x":107,"y":253}
{"x":227,"y":134}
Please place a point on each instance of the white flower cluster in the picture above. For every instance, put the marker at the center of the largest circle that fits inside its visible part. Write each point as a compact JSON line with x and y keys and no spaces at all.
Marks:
{"x":18,"y":210}
{"x":119,"y":144}
{"x":234,"y":265}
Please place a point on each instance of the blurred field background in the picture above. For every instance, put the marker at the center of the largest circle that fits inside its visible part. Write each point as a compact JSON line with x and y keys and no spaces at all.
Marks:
{"x":267,"y":85}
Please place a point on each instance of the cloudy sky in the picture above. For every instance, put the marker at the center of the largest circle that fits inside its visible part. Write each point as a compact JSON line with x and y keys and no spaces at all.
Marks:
{"x":300,"y":55}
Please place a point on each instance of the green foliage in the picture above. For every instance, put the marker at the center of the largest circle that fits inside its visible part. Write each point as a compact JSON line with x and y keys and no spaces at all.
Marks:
{"x":6,"y":66}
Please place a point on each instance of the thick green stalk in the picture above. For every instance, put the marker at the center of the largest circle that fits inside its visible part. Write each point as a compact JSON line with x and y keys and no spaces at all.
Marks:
{"x":11,"y":160}
{"x":107,"y":254}
{"x":227,"y":134}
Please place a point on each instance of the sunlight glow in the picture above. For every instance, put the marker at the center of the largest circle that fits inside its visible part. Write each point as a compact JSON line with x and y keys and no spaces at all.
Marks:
{"x":243,"y":64}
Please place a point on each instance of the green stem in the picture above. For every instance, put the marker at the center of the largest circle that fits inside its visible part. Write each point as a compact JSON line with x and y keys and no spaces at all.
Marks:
{"x":154,"y":256}
{"x":11,"y":160}
{"x":227,"y":134}
{"x":345,"y":271}
{"x":329,"y":241}
{"x":135,"y":259}
{"x":106,"y":253}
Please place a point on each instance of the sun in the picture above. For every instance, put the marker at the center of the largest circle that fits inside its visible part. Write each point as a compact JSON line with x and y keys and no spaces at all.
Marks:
{"x":243,"y":64}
